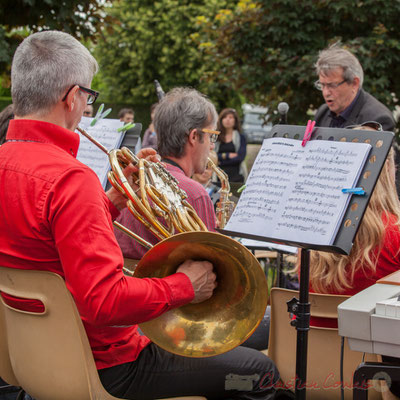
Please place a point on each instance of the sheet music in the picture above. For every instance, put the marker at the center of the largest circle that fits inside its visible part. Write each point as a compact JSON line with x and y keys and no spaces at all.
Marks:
{"x":293,"y":193}
{"x":105,"y":131}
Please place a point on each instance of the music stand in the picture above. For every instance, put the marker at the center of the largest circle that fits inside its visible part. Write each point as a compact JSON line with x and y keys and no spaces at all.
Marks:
{"x":132,"y":137}
{"x":381,"y":143}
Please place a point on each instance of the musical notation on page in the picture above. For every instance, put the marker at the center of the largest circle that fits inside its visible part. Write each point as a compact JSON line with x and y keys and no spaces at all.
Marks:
{"x":105,"y":131}
{"x":294,"y":193}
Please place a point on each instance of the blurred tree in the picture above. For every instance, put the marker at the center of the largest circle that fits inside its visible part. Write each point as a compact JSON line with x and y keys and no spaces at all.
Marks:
{"x":267,"y":48}
{"x":154,"y":40}
{"x":18,"y":18}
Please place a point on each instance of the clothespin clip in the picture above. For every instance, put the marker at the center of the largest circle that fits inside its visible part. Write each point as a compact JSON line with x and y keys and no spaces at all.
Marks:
{"x":308,"y":132}
{"x":240,"y":190}
{"x":358,"y":191}
{"x":100,"y":115}
{"x":127,"y":126}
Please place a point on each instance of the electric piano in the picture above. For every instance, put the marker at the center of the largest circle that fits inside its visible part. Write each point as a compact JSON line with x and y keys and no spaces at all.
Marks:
{"x":371,"y":318}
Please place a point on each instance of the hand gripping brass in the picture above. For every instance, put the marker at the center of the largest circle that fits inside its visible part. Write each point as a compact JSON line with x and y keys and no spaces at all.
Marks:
{"x":237,"y":306}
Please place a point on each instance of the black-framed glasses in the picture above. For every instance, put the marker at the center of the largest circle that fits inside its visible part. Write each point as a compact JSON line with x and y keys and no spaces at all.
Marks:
{"x":92,"y":94}
{"x":371,"y":124}
{"x":320,"y":86}
{"x":213,"y":134}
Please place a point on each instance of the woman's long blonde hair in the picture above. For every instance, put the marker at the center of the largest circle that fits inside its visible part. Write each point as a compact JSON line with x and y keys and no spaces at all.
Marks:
{"x":329,"y":271}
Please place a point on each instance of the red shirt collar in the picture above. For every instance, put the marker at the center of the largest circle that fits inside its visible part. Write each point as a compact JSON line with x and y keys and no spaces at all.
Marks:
{"x":43,"y":132}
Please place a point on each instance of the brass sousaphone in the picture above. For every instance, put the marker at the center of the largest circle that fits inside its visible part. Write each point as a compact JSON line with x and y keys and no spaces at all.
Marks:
{"x":237,"y":306}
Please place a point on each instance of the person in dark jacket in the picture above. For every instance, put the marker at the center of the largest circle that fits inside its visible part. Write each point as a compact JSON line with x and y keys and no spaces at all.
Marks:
{"x":346,"y":103}
{"x":231,"y":146}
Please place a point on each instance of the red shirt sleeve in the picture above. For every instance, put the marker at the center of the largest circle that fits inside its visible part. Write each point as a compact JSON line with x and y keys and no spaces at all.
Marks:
{"x":114,"y":212}
{"x":78,"y":212}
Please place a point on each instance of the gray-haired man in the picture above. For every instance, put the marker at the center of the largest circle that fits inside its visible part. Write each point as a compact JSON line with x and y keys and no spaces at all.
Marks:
{"x":55,"y":216}
{"x":346,"y":103}
{"x":182,"y":119}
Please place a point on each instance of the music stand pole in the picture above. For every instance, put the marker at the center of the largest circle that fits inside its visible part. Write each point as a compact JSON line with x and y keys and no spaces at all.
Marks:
{"x":279,"y":261}
{"x":301,"y":309}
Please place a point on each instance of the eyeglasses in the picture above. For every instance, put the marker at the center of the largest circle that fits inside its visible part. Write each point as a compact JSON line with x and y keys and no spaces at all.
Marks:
{"x":371,"y":124}
{"x":213,"y":134}
{"x":92,"y":94}
{"x":321,"y":86}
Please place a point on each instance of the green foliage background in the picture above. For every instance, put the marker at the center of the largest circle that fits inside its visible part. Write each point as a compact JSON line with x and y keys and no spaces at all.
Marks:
{"x":18,"y":18}
{"x":154,"y":40}
{"x":268,"y":48}
{"x":235,"y":51}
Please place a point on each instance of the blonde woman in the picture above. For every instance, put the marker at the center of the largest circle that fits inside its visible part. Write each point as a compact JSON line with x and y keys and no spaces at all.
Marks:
{"x":376,"y":249}
{"x":375,"y":252}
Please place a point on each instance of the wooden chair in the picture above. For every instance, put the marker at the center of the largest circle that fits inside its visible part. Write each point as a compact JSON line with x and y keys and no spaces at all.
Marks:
{"x":49,"y":352}
{"x":6,"y":371}
{"x":324,"y":344}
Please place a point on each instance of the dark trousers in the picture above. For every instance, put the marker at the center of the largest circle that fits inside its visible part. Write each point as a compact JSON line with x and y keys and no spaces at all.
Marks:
{"x":242,"y":373}
{"x":260,"y":337}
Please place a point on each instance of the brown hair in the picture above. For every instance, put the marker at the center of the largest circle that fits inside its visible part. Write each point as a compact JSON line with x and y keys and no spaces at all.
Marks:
{"x":221,"y":128}
{"x":124,"y":111}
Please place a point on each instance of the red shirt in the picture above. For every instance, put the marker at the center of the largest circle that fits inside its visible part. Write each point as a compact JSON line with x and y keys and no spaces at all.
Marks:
{"x":197,"y":197}
{"x":388,"y":262}
{"x":55,"y":216}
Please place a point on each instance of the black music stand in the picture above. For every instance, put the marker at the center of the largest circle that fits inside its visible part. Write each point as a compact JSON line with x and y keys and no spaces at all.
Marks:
{"x":132,"y":136}
{"x":381,"y":143}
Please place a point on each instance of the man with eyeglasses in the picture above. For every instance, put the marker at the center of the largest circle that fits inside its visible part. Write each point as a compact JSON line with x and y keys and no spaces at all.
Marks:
{"x":184,"y":121}
{"x":346,"y":103}
{"x":55,"y":216}
{"x":88,"y":111}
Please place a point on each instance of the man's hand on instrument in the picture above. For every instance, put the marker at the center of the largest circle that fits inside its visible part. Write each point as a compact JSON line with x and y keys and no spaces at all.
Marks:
{"x":117,"y":198}
{"x":149,"y":154}
{"x":201,"y":276}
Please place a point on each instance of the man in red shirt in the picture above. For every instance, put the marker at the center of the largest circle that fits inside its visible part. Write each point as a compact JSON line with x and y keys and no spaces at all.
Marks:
{"x":55,"y":216}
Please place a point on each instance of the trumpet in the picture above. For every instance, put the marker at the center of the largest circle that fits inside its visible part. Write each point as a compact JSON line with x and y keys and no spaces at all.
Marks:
{"x":237,"y":306}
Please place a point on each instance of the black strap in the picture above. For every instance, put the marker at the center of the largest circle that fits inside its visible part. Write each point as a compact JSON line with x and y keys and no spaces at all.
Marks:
{"x":172,"y":162}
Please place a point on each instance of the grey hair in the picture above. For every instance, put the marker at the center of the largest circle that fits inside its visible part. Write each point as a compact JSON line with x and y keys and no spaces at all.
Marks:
{"x":337,"y":57}
{"x":45,"y":65}
{"x":180,"y":111}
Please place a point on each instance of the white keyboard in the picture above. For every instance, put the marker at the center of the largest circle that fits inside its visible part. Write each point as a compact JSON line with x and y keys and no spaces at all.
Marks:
{"x":371,"y":319}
